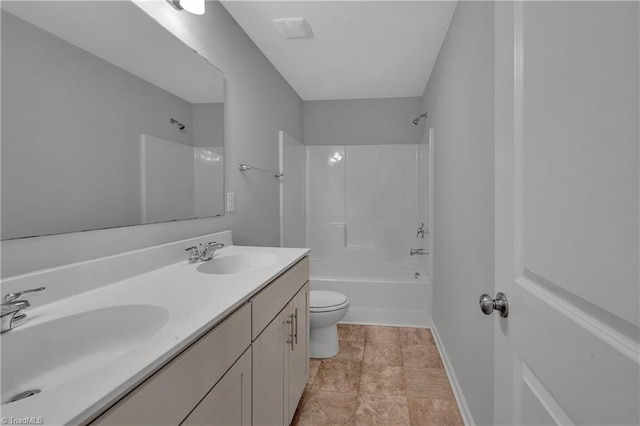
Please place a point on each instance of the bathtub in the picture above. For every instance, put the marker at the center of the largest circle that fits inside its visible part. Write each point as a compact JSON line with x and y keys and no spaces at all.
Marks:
{"x":378,"y":302}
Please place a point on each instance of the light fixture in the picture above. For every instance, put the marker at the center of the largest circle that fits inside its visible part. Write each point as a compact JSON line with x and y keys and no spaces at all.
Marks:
{"x":293,"y":27}
{"x":335,"y":158}
{"x":193,"y":6}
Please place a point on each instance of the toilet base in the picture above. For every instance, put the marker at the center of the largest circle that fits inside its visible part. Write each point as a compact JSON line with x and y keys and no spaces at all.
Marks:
{"x":324,"y":342}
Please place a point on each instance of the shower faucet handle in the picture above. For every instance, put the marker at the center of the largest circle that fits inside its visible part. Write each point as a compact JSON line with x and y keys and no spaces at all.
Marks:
{"x":421,"y":230}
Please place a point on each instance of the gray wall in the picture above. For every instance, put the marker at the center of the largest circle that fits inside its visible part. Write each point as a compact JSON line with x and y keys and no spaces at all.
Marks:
{"x":362,"y":121}
{"x":258,"y":103}
{"x":459,"y":99}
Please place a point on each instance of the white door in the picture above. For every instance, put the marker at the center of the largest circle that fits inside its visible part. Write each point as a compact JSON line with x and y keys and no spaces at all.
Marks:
{"x":567,"y":209}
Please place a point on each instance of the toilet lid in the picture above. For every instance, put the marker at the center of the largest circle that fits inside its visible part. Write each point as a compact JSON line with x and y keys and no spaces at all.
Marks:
{"x":326,"y":299}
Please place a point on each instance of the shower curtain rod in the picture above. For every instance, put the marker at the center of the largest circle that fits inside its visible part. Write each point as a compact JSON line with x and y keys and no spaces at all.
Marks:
{"x":244,"y":167}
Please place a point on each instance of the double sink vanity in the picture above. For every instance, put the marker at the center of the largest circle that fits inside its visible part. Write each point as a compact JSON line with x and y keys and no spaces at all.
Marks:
{"x":159,"y":340}
{"x":144,"y":336}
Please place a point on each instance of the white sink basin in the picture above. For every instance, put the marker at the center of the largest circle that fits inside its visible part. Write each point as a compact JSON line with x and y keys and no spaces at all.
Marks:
{"x":44,"y":356}
{"x":237,"y":263}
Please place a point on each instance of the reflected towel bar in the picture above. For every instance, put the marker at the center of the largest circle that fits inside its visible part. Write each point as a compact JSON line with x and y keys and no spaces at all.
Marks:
{"x":244,"y":167}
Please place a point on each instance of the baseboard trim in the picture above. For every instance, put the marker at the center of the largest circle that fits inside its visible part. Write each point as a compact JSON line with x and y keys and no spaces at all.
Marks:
{"x":387,"y":324}
{"x":453,"y":380}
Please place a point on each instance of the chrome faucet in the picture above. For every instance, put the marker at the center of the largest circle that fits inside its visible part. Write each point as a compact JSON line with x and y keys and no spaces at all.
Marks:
{"x":209,"y":250}
{"x":11,"y":309}
{"x":194,"y":254}
{"x":11,"y":316}
{"x":198,"y":254}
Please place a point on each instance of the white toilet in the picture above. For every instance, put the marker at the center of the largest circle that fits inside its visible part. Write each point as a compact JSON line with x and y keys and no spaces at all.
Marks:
{"x":326,"y":308}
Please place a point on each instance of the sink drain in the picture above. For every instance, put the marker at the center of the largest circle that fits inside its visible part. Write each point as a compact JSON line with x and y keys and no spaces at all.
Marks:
{"x":25,"y":394}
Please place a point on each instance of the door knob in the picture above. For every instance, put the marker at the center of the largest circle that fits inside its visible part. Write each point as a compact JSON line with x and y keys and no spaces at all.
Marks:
{"x":500,"y":303}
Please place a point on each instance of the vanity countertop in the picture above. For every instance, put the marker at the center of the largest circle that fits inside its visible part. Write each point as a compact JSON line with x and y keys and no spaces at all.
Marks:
{"x":191,"y":303}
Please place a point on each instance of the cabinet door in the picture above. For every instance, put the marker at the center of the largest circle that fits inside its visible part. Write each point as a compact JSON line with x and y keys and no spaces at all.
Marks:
{"x":271,"y":371}
{"x":299,"y":356}
{"x":172,"y":392}
{"x":229,"y":401}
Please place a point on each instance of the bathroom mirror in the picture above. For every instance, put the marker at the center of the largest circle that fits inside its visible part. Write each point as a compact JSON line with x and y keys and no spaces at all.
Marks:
{"x":108,"y":120}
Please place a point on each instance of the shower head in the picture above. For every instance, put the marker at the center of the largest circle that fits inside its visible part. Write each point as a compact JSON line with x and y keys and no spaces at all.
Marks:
{"x":177,"y":123}
{"x":417,"y":120}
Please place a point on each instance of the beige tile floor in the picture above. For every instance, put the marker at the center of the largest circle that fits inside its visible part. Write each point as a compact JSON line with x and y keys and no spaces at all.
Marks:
{"x":381,"y":376}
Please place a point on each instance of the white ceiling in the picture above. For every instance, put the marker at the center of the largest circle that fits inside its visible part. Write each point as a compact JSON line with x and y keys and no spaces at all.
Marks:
{"x":360,"y":49}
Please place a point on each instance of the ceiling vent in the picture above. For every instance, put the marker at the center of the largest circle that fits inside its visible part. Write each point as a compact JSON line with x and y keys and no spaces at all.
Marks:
{"x":293,"y":27}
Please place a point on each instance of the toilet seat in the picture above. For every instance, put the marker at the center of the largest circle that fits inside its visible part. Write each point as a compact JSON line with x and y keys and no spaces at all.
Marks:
{"x":327,"y":301}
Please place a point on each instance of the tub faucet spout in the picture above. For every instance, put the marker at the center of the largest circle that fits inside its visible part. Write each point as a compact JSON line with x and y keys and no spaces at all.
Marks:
{"x":418,"y":252}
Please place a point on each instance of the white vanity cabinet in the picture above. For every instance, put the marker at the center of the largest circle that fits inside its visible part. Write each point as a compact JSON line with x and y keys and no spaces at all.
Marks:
{"x":172,"y":393}
{"x":229,"y":402}
{"x":281,"y":346}
{"x":299,"y":355}
{"x":269,"y":372}
{"x":249,"y":369}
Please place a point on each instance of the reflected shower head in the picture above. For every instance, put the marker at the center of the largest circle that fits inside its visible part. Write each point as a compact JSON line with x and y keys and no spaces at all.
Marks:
{"x":417,"y":120}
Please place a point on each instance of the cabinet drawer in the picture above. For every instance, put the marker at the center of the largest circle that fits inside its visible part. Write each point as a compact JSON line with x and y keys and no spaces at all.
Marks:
{"x":171,"y":393}
{"x":267,"y":303}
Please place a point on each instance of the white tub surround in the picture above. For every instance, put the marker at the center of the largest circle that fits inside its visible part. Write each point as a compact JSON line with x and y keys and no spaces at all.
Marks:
{"x":364,"y":209}
{"x":151,"y":285}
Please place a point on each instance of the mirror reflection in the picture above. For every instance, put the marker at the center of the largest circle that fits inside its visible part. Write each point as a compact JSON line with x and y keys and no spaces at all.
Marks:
{"x":107,"y":120}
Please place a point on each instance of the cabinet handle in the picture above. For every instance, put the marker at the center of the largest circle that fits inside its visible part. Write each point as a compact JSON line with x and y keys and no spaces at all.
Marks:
{"x":290,"y":322}
{"x":295,"y":334}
